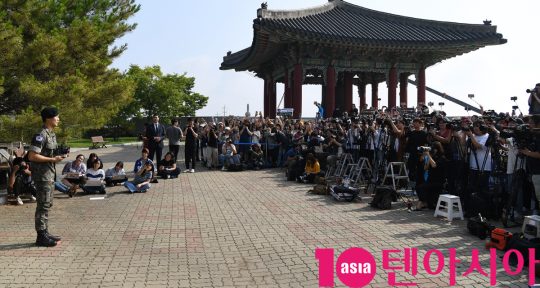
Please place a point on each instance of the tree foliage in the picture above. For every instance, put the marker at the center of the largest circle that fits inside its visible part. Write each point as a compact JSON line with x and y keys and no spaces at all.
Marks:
{"x":57,"y":52}
{"x":168,"y":95}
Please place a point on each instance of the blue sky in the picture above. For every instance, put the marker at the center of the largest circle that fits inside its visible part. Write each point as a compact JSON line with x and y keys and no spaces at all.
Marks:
{"x":192,"y":37}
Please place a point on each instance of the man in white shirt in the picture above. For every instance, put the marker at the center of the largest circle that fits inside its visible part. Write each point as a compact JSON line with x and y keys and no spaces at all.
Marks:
{"x":480,"y":162}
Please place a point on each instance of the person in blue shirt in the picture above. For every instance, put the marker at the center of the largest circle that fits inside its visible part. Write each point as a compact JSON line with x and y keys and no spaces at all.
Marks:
{"x":320,"y":110}
{"x":144,"y":158}
{"x":141,"y":183}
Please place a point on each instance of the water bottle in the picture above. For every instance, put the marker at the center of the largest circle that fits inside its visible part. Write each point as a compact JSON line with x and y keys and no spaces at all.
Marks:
{"x":346,"y":182}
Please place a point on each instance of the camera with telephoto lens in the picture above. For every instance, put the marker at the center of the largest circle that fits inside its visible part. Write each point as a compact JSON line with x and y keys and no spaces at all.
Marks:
{"x":523,"y":134}
{"x":532,"y":91}
{"x":61,"y":151}
{"x":388,"y":122}
{"x":423,"y":149}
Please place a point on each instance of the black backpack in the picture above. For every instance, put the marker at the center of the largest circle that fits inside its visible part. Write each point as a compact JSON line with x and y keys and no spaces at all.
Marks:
{"x":235,"y":167}
{"x":522,"y":244}
{"x":478,"y":226}
{"x":384,"y":196}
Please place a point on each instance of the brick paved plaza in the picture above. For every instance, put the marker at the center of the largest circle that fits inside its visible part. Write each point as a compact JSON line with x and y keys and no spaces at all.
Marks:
{"x":214,"y":229}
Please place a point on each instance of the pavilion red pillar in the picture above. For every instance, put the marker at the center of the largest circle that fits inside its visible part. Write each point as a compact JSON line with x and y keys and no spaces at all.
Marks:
{"x":375,"y":95}
{"x":421,"y":86}
{"x":266,"y":98}
{"x":272,"y":98}
{"x":392,"y":86}
{"x":403,"y":94}
{"x":362,"y":94}
{"x":288,"y":103}
{"x":330,"y":92}
{"x":348,"y":82}
{"x":297,"y":91}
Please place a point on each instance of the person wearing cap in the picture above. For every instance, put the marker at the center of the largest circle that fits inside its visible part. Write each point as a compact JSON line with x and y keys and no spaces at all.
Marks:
{"x":43,"y":158}
{"x":255,"y":157}
{"x":230,"y":155}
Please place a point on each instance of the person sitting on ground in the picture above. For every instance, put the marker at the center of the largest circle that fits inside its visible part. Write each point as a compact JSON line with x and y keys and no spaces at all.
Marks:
{"x":20,"y":181}
{"x":294,"y":168}
{"x":167,"y":167}
{"x":312,"y":169}
{"x":141,"y":161}
{"x":73,"y":176}
{"x":95,"y":176}
{"x":115,"y":175}
{"x":255,"y":157}
{"x":91,"y":159}
{"x":141,"y":183}
{"x":230,"y":155}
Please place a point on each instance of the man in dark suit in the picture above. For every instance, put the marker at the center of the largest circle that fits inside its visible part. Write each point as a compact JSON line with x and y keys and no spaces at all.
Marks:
{"x":155,"y":133}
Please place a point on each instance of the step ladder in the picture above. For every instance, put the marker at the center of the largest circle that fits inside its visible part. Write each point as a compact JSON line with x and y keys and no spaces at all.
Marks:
{"x":360,"y":172}
{"x":342,"y":163}
{"x":402,"y":173}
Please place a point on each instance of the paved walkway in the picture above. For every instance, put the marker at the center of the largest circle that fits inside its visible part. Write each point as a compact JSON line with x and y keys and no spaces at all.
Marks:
{"x":214,"y":229}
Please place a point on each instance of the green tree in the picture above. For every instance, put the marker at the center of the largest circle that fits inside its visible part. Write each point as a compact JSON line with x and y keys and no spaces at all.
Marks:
{"x":57,"y":52}
{"x":167,"y":95}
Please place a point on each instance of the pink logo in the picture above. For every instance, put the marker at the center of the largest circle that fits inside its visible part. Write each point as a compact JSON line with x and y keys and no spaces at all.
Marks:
{"x":355,"y":267}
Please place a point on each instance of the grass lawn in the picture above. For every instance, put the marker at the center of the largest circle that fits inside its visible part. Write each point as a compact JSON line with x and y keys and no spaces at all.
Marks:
{"x":86,"y":143}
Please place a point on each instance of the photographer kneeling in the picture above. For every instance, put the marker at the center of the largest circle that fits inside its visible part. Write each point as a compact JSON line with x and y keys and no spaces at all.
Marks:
{"x":20,"y":181}
{"x":312,"y":169}
{"x":431,"y":175}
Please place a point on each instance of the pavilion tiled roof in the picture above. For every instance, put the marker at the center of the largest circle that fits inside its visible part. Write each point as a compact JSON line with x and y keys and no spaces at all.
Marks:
{"x":344,"y":24}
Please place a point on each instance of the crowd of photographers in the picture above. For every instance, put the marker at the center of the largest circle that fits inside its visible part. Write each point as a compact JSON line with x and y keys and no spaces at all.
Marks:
{"x":491,"y":161}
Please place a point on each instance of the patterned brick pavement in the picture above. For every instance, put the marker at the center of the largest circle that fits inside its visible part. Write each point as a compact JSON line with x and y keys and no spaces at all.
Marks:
{"x":215,"y":229}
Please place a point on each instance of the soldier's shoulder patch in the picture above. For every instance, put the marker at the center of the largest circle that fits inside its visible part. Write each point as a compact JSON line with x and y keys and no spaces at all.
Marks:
{"x":37,"y":140}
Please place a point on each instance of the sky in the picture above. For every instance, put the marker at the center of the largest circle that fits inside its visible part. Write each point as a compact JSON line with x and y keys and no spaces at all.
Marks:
{"x":192,"y":37}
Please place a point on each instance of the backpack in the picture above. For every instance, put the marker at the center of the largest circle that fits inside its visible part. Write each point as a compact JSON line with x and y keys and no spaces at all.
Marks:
{"x":384,"y":196}
{"x":319,"y":189}
{"x":235,"y":167}
{"x":478,"y":226}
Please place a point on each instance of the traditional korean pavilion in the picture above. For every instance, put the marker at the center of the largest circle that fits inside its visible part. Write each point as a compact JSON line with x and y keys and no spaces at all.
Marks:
{"x":339,"y":45}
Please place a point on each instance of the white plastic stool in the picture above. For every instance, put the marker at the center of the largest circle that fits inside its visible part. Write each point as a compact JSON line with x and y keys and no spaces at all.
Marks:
{"x":446,"y":206}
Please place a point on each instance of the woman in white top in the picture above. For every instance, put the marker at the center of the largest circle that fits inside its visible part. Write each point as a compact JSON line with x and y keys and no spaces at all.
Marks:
{"x":95,"y":177}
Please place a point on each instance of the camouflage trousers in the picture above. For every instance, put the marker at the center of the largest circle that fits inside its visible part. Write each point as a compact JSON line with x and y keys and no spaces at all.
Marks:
{"x":44,"y":198}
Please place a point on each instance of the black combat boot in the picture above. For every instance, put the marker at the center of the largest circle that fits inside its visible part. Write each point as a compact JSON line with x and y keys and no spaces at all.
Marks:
{"x":44,"y":241}
{"x":53,"y":237}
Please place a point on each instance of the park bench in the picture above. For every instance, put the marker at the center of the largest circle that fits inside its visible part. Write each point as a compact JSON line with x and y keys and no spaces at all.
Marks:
{"x":98,"y":142}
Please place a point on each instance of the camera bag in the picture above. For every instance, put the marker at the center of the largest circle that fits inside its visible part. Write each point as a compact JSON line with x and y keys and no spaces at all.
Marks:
{"x":522,"y":244}
{"x":384,"y":196}
{"x":342,"y":193}
{"x":478,"y":226}
{"x":235,"y":167}
{"x":499,"y":239}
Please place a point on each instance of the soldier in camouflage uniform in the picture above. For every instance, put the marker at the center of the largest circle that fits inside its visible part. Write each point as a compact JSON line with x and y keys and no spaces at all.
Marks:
{"x":43,"y":160}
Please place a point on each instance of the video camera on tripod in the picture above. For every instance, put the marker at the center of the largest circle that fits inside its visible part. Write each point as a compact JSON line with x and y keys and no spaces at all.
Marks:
{"x":523,"y":134}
